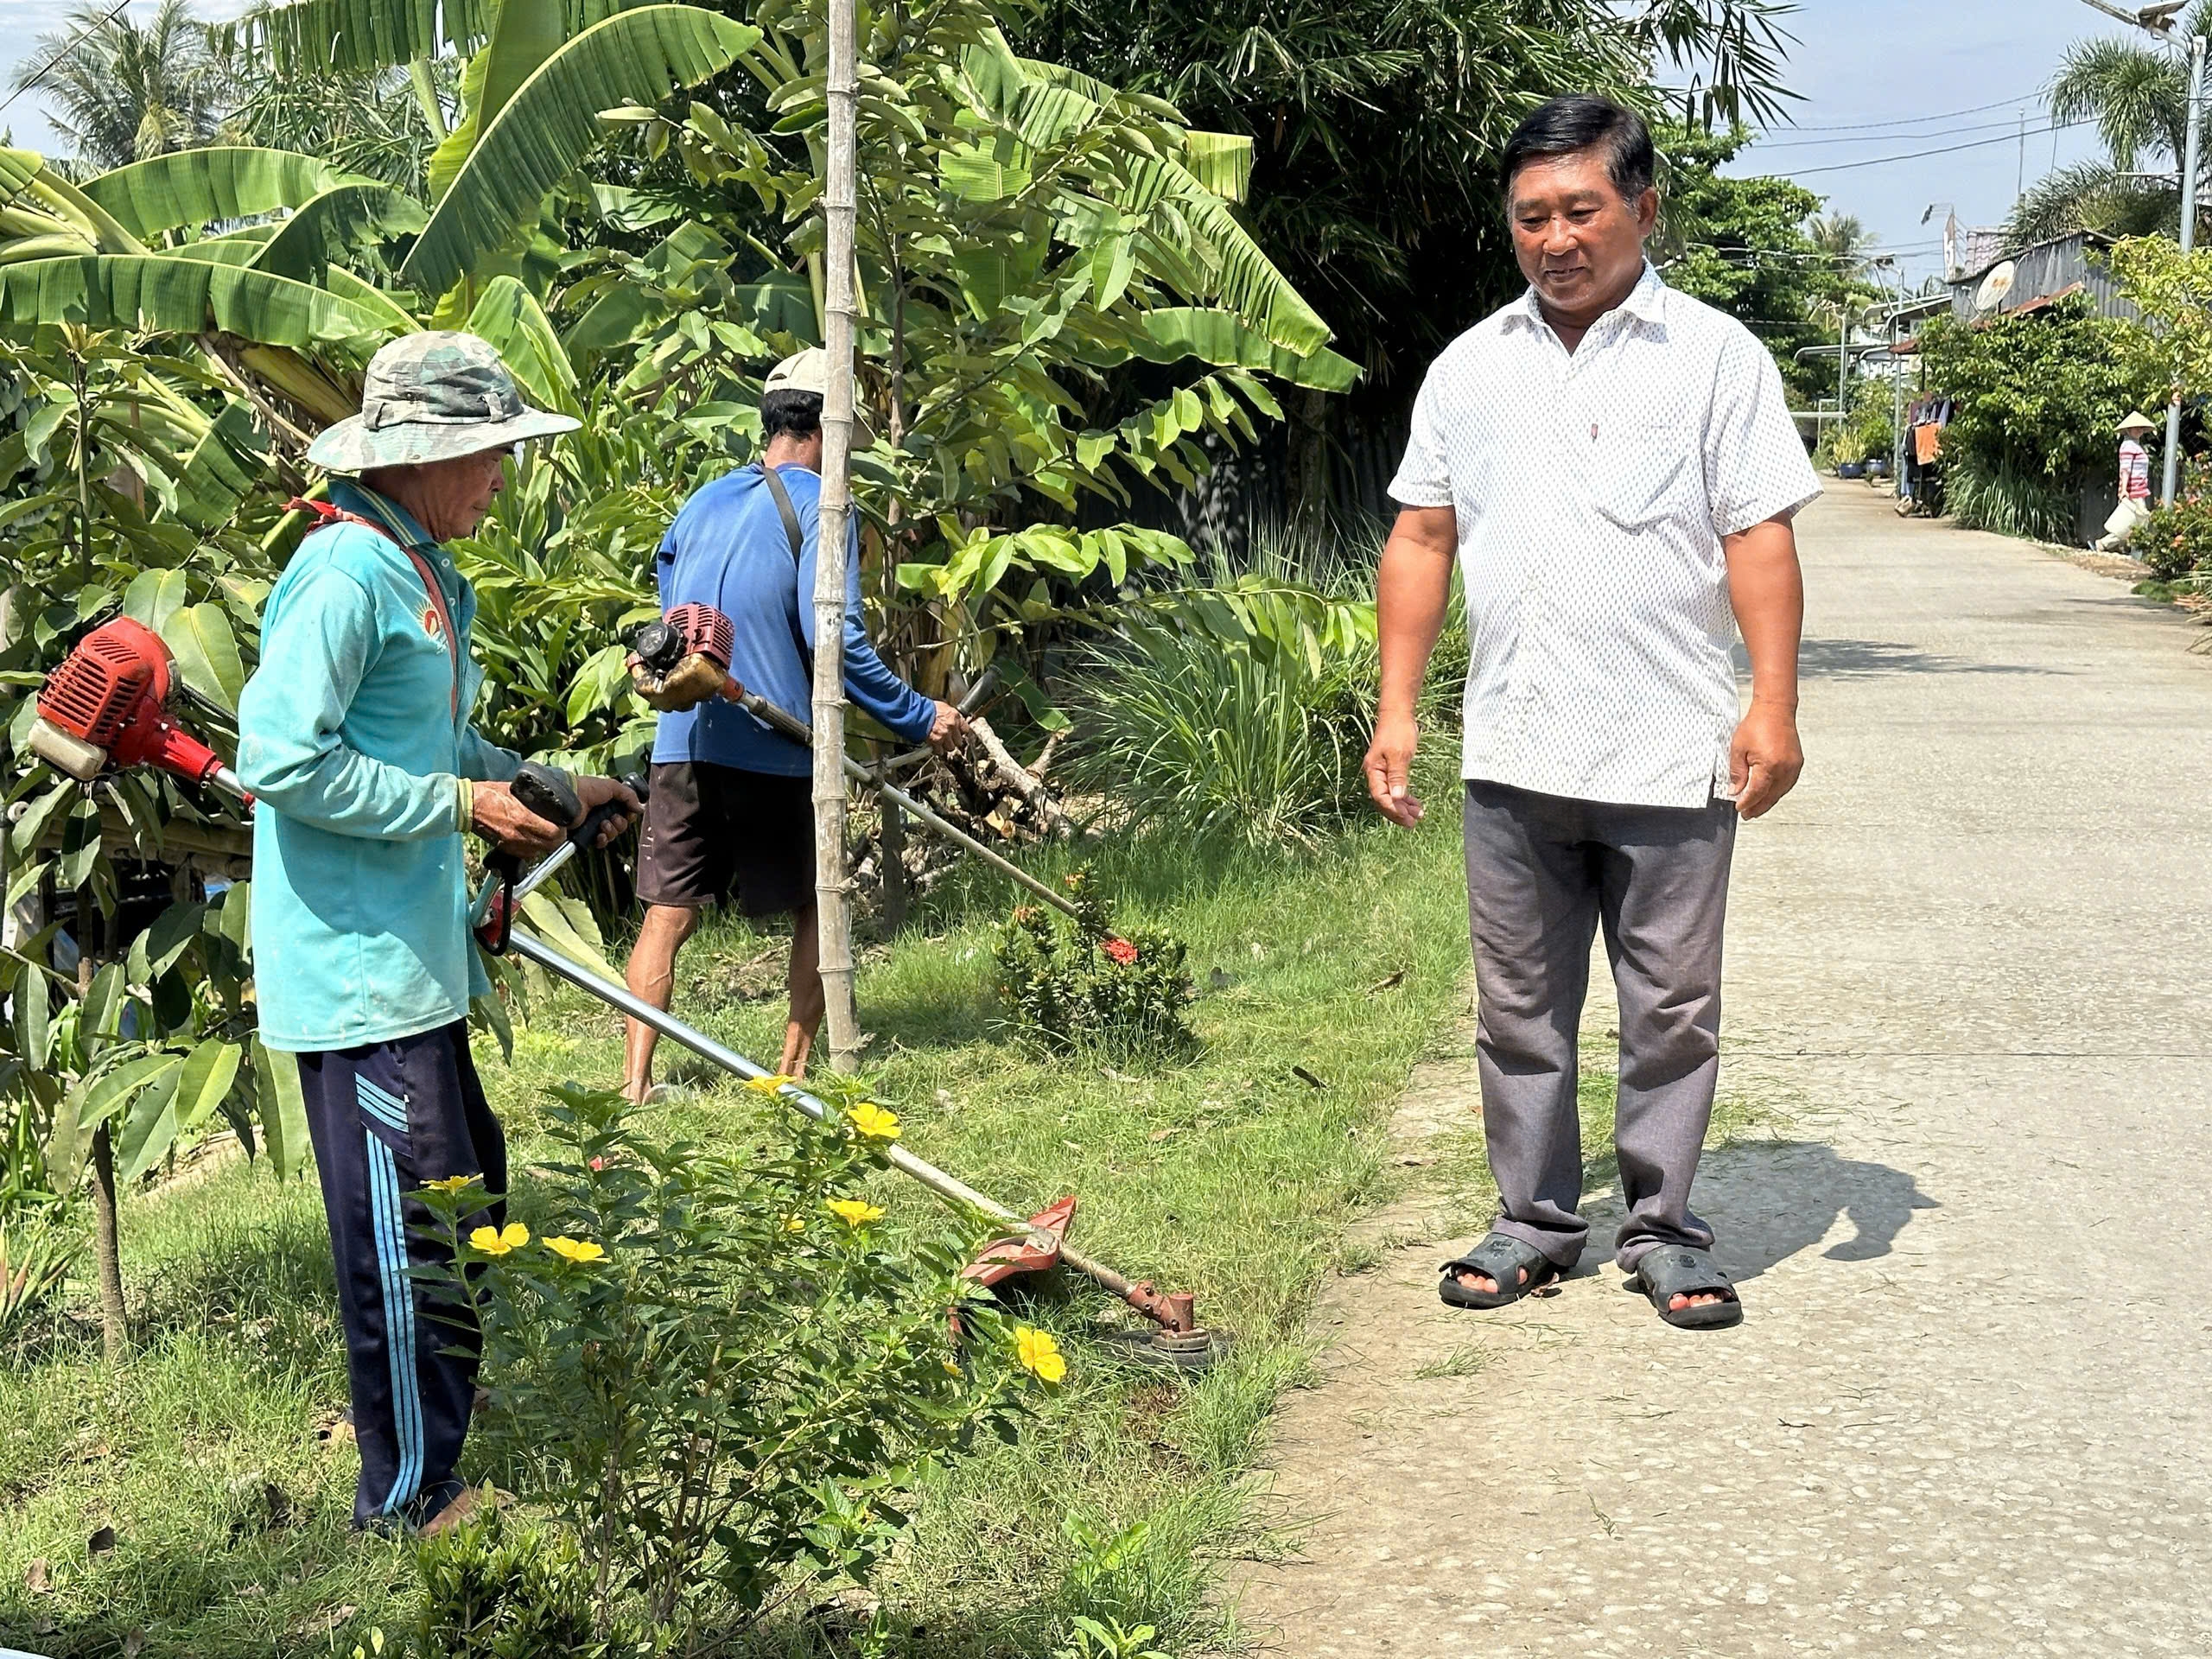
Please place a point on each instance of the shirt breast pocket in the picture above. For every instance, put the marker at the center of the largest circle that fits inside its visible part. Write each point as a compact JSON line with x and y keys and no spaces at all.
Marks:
{"x":1645,"y":475}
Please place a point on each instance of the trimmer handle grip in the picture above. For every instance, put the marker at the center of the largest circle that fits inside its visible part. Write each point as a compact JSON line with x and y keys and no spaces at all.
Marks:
{"x":551,"y":794}
{"x":586,"y":835}
{"x":548,"y":793}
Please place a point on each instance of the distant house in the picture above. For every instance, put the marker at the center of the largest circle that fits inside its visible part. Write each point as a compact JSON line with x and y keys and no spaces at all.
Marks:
{"x":2047,"y":271}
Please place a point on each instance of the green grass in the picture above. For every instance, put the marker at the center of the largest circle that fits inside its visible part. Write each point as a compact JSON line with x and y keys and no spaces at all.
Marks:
{"x":1226,"y":1174}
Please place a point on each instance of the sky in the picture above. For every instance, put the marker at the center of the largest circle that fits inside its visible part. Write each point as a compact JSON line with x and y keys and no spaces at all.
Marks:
{"x":1926,"y":66}
{"x":1924,"y":69}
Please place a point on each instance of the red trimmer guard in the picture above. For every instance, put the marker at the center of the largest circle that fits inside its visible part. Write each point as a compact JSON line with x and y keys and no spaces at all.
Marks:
{"x":1017,"y":1253}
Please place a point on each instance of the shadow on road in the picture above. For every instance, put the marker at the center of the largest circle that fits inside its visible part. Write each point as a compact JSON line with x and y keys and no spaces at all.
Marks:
{"x":1864,"y":659}
{"x":1770,"y":1201}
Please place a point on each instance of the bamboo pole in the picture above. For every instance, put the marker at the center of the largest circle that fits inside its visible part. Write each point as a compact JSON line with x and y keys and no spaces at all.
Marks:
{"x":833,"y":912}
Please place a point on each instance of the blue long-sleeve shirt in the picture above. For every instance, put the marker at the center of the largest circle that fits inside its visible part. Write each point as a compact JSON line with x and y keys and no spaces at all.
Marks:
{"x":350,"y":738}
{"x":727,"y":548}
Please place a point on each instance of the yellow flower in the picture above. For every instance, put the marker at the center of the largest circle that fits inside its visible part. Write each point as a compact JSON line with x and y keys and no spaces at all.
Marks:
{"x":498,"y":1240}
{"x":1039,"y":1354}
{"x":453,"y":1184}
{"x":794,"y":1224}
{"x":576,"y":1249}
{"x":872,"y":1122}
{"x":773,"y":1085}
{"x":854,"y":1212}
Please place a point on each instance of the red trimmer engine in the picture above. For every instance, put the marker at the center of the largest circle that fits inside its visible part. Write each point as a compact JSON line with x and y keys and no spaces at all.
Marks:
{"x":683,"y":659}
{"x":107,"y":705}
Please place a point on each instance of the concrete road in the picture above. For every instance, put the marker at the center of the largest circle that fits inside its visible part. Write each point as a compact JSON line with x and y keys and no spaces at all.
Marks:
{"x":1970,"y":1409}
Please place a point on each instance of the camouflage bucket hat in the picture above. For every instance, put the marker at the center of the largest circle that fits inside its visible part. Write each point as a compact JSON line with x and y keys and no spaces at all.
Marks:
{"x":433,"y":397}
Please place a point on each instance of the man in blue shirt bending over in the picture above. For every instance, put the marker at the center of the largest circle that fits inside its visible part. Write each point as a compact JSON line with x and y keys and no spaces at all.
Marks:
{"x":731,"y":809}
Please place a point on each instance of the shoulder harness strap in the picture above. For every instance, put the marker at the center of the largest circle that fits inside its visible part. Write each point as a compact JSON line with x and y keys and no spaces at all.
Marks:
{"x":327,"y":514}
{"x":797,"y":538}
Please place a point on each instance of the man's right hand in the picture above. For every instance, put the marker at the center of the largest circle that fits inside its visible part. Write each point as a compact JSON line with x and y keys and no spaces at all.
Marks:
{"x":947,"y":728}
{"x":1390,"y":763}
{"x":495,"y":813}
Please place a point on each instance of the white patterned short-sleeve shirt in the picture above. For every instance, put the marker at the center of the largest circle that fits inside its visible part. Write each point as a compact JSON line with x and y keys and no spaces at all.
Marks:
{"x":1591,"y":491}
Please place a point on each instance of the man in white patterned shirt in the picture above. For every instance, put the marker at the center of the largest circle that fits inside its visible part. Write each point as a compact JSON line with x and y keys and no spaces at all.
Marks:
{"x":1614,"y":467}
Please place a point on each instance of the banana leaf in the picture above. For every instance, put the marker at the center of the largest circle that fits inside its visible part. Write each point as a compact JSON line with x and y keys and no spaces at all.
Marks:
{"x":165,"y":292}
{"x":552,"y":122}
{"x":191,"y":188}
{"x":1172,"y":333}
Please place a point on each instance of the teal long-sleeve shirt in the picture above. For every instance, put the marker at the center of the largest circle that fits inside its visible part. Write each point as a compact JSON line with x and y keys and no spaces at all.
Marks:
{"x":351,"y":741}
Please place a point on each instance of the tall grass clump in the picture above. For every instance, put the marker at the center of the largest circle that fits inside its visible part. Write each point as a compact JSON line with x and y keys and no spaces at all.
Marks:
{"x":1243,"y":734}
{"x":1210,"y":731}
{"x":2011,"y":502}
{"x":1215,"y":740}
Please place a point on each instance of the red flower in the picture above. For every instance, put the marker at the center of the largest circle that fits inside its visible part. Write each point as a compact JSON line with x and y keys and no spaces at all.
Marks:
{"x":597,"y":1165}
{"x":1122,"y":951}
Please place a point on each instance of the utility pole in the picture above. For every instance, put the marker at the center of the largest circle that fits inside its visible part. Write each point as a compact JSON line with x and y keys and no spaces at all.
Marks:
{"x":1897,"y":377}
{"x":2170,"y":480}
{"x":2020,"y":183}
{"x":840,"y":198}
{"x":1842,"y":366}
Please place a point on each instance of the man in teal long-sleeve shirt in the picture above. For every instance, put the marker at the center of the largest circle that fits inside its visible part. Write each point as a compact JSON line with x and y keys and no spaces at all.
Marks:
{"x":353,"y":735}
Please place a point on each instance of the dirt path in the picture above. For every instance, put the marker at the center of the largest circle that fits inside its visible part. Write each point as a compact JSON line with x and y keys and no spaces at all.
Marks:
{"x":1970,"y":1411}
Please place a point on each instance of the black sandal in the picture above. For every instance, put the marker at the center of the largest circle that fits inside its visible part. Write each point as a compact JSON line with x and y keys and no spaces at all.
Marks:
{"x":1500,"y":1259}
{"x":1675,"y":1270}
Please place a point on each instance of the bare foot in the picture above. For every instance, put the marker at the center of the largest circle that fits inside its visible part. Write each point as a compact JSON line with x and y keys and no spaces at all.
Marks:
{"x":1703,"y":1299}
{"x":459,"y":1512}
{"x":1481,"y":1283}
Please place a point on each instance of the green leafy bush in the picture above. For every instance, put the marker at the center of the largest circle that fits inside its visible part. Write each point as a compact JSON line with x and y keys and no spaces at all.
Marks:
{"x":716,"y":1370}
{"x":494,"y":1591}
{"x":2176,"y":541}
{"x":1076,"y":983}
{"x":2037,"y":398}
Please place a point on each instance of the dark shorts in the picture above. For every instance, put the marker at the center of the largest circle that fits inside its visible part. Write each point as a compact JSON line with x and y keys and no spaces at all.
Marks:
{"x":712,"y":831}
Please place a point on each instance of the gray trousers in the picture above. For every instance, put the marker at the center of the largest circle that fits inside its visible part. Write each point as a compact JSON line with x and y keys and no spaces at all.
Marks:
{"x":1543,"y":872}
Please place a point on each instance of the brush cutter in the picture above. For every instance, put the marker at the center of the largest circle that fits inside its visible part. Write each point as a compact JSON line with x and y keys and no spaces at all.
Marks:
{"x":683,"y":661}
{"x":105,"y":708}
{"x":1036,"y":1245}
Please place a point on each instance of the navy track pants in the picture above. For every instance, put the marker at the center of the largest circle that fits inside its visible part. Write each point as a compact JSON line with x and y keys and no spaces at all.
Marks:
{"x":387,"y":1119}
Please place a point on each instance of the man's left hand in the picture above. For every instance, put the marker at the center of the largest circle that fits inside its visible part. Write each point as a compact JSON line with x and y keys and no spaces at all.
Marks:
{"x":1764,"y":758}
{"x":595,"y":792}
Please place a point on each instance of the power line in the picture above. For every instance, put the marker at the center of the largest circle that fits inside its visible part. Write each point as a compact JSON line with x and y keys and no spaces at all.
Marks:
{"x":1920,"y":120}
{"x":1868,"y":257}
{"x":1946,"y":150}
{"x":1761,"y":144}
{"x":69,"y":46}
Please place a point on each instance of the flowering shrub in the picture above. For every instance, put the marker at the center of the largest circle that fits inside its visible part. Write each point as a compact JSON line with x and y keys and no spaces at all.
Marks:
{"x":1081,"y":984}
{"x":717,"y":1371}
{"x":2177,"y":541}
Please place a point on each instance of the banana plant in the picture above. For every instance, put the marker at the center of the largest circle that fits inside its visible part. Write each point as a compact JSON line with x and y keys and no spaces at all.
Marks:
{"x":1034,"y":244}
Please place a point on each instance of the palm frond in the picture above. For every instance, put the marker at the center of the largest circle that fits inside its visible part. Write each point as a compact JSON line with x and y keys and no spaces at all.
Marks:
{"x":2136,"y":95}
{"x":2092,"y":196}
